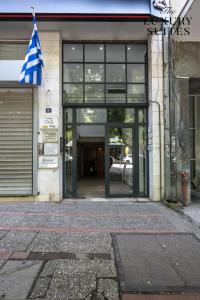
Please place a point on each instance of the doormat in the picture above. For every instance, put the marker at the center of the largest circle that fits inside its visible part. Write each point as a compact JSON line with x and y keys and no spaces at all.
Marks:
{"x":157,"y":263}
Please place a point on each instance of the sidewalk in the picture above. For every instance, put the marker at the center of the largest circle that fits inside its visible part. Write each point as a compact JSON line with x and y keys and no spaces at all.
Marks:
{"x":63,"y":251}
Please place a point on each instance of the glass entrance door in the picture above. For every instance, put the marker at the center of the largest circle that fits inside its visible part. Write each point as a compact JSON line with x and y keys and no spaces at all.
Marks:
{"x":105,"y":146}
{"x":120,"y":161}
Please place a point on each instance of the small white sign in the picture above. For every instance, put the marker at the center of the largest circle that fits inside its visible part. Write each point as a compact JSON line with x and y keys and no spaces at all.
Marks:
{"x":50,"y":148}
{"x":48,"y":162}
{"x":49,"y":123}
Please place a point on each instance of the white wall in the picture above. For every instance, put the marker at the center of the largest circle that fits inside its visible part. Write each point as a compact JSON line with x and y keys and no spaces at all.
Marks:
{"x":49,"y":180}
{"x":155,"y":94}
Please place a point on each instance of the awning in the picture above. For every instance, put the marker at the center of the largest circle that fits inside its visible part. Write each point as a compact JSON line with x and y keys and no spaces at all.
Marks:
{"x":67,"y":10}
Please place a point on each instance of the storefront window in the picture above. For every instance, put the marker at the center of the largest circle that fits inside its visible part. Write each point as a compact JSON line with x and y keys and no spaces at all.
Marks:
{"x":119,"y":69}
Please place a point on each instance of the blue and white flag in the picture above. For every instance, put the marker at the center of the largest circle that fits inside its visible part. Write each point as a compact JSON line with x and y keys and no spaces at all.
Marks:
{"x":32,"y":69}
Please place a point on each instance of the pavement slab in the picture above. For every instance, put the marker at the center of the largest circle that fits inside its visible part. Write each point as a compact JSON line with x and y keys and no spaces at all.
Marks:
{"x":108,"y":289}
{"x":17,"y":278}
{"x":72,"y":242}
{"x":78,"y":278}
{"x":17,"y":241}
{"x":2,"y":234}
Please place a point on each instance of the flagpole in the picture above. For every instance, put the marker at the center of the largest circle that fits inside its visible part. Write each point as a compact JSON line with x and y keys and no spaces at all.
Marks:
{"x":42,"y":70}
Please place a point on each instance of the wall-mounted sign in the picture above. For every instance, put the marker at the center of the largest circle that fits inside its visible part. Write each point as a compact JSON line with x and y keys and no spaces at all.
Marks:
{"x":49,"y":123}
{"x":50,"y":148}
{"x":48,"y":162}
{"x":50,"y":136}
{"x":159,"y":4}
{"x":51,"y":110}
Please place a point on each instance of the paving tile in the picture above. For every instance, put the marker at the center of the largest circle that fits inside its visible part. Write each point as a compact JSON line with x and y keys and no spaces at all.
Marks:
{"x":108,"y":289}
{"x":2,"y":234}
{"x":46,"y":221}
{"x":40,"y":288}
{"x":78,"y":278}
{"x":16,"y":241}
{"x":72,"y":242}
{"x":16,"y":279}
{"x":19,"y":255}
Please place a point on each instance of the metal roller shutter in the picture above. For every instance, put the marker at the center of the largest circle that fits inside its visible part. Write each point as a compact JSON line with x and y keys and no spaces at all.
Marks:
{"x":15,"y":141}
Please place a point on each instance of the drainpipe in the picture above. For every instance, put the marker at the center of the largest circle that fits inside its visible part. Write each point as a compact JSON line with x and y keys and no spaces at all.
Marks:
{"x":160,"y":152}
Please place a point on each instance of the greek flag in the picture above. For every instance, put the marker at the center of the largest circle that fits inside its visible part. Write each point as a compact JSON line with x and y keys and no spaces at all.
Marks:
{"x":32,"y":69}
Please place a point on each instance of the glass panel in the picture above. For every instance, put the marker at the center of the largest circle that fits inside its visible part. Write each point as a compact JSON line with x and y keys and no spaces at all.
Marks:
{"x":94,"y":93}
{"x":115,"y":73}
{"x":198,"y":112}
{"x":142,"y":160}
{"x":115,"y":93}
{"x":136,"y":93}
{"x":192,"y":144}
{"x":120,"y":161}
{"x":142,"y":115}
{"x":73,"y":93}
{"x":73,"y":72}
{"x":115,"y":53}
{"x":136,"y":53}
{"x":73,"y":53}
{"x":68,"y":115}
{"x":123,"y":115}
{"x":191,"y":112}
{"x":68,"y":160}
{"x":94,"y":72}
{"x":90,"y":115}
{"x":136,"y":73}
{"x":90,"y":160}
{"x":94,"y":52}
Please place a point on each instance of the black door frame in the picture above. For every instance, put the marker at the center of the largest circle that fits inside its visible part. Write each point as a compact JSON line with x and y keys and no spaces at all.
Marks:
{"x":135,"y":153}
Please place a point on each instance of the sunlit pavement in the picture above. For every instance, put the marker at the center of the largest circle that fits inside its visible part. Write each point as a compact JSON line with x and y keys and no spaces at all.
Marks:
{"x":64,"y":251}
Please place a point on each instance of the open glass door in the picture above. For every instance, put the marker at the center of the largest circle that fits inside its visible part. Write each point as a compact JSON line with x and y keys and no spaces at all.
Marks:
{"x":119,"y":161}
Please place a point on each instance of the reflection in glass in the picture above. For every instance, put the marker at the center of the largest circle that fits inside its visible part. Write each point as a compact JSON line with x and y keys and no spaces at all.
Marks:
{"x":136,"y":73}
{"x":94,"y":93}
{"x":73,"y":93}
{"x":94,"y":72}
{"x":142,"y":115}
{"x":73,"y":72}
{"x":115,"y":73}
{"x":123,"y":115}
{"x":136,"y":93}
{"x":68,"y":115}
{"x":73,"y":53}
{"x":121,"y":161}
{"x":91,"y":115}
{"x":68,"y":159}
{"x":194,"y":109}
{"x":136,"y":53}
{"x":115,"y":53}
{"x":94,"y":52}
{"x":115,"y":93}
{"x":142,"y":160}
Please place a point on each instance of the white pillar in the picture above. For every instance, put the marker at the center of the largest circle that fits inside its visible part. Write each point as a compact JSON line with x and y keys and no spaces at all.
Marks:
{"x":156,"y":144}
{"x":49,"y":95}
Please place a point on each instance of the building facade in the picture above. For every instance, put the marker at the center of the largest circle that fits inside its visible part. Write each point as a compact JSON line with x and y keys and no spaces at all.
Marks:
{"x":97,"y":125}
